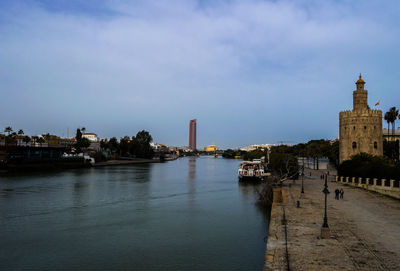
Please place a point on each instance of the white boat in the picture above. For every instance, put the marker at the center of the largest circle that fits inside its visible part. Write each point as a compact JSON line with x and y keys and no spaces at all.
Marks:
{"x":251,"y":170}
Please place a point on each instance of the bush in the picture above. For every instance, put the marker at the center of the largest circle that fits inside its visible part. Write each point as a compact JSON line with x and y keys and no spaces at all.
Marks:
{"x":369,"y":166}
{"x":99,"y":156}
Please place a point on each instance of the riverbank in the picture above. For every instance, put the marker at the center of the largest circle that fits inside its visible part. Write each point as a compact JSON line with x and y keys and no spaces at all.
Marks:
{"x":363,"y":229}
{"x":125,"y":162}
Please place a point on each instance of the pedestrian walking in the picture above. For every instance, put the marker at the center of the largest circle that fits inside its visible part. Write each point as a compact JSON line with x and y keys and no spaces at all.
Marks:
{"x":337,"y":194}
{"x":341,"y":193}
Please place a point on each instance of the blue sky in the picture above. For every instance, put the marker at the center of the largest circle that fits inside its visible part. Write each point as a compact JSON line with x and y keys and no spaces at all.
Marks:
{"x":249,"y":71}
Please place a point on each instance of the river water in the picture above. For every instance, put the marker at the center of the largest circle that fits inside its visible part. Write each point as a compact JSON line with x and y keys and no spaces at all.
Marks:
{"x":188,"y":214}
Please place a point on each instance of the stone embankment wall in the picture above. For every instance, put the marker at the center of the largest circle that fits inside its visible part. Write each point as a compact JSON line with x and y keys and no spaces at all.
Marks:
{"x":382,"y":186}
{"x":275,"y":256}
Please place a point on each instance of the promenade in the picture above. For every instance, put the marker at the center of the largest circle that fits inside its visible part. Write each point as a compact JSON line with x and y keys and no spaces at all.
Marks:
{"x":365,"y":230}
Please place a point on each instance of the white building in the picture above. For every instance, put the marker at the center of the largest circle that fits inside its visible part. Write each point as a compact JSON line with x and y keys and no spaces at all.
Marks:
{"x":257,"y":147}
{"x":91,"y":136}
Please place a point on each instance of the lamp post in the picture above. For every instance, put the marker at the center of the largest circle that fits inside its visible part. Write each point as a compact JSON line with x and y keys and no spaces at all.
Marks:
{"x":325,"y":232}
{"x":302,"y":179}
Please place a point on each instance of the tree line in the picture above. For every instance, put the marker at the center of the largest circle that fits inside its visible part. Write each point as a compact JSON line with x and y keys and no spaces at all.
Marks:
{"x":135,"y":146}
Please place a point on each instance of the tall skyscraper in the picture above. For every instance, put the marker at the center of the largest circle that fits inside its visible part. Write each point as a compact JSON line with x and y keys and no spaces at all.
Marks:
{"x":192,"y":135}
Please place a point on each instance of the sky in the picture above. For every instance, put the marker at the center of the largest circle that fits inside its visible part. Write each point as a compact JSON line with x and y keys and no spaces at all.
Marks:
{"x":249,"y":71}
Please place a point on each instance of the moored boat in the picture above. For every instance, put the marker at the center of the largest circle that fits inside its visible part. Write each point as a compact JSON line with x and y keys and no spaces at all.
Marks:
{"x":251,"y":171}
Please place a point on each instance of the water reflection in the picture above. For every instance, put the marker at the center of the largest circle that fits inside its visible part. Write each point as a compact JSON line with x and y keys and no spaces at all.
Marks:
{"x":192,"y":168}
{"x":191,"y":177}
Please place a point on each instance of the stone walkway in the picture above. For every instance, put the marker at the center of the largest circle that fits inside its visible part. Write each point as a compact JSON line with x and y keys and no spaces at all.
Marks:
{"x":365,"y":230}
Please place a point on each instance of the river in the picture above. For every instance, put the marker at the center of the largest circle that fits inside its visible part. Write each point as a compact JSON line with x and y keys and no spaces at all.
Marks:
{"x":187,"y":214}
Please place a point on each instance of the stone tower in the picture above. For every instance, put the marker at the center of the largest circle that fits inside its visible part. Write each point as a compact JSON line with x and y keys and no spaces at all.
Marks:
{"x":360,"y":130}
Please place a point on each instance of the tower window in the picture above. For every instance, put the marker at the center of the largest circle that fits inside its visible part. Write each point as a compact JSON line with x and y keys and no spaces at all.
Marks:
{"x":375,"y":145}
{"x":354,"y":145}
{"x":354,"y":127}
{"x":365,"y":127}
{"x":374,"y":127}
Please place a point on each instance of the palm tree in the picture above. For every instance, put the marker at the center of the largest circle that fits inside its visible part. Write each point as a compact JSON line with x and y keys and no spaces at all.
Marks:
{"x":387,"y":118}
{"x":20,"y":132}
{"x":8,"y":130}
{"x":41,"y":141}
{"x":83,"y":129}
{"x":394,"y":114}
{"x":35,"y":139}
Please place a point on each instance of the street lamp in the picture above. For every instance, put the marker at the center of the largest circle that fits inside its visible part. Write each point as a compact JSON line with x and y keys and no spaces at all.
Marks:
{"x":325,"y":232}
{"x":302,"y":180}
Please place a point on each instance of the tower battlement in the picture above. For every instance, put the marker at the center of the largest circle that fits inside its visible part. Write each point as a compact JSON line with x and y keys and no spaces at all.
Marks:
{"x":364,"y":112}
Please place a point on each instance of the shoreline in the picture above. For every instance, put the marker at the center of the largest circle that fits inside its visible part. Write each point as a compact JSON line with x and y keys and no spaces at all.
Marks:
{"x":125,"y":162}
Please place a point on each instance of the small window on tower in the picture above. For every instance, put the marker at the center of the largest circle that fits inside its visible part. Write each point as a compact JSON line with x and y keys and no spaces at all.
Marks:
{"x":375,"y":145}
{"x":354,"y":127}
{"x":365,"y":127}
{"x":354,"y":145}
{"x":374,"y":127}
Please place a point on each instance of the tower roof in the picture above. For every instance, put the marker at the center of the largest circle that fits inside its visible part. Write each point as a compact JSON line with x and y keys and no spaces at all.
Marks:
{"x":360,"y":80}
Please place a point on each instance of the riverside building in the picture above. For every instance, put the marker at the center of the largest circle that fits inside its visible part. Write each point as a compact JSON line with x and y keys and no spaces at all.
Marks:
{"x":360,"y":129}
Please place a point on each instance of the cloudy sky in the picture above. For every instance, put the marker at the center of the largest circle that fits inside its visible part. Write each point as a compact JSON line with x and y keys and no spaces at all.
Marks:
{"x":249,"y":71}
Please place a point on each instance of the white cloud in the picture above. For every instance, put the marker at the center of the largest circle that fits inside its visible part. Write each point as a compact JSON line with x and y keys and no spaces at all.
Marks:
{"x":188,"y":60}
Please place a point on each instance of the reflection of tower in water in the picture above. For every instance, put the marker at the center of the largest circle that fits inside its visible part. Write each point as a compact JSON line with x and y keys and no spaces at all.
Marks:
{"x":192,"y":168}
{"x":191,"y":177}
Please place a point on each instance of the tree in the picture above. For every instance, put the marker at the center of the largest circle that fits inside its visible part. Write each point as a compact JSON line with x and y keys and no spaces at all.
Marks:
{"x":391,"y":150}
{"x":78,"y":135}
{"x":124,"y":145}
{"x":388,"y":120}
{"x":284,"y":166}
{"x":369,"y":166}
{"x":40,"y":141}
{"x":113,"y":145}
{"x":35,"y":139}
{"x":255,"y":154}
{"x":104,"y":144}
{"x":394,"y":113}
{"x":8,"y":130}
{"x":141,"y":145}
{"x":84,"y":142}
{"x":26,"y":139}
{"x":20,"y":132}
{"x":81,"y":142}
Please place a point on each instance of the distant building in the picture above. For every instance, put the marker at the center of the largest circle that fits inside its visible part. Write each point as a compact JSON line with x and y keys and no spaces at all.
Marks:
{"x":390,"y":136}
{"x":157,"y":147}
{"x":52,"y":140}
{"x":67,"y":142}
{"x":211,"y":147}
{"x":192,"y":135}
{"x":360,"y":130}
{"x":253,"y":147}
{"x":91,"y":136}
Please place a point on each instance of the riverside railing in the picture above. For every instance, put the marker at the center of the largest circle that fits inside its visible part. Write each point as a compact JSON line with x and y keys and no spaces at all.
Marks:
{"x":388,"y":187}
